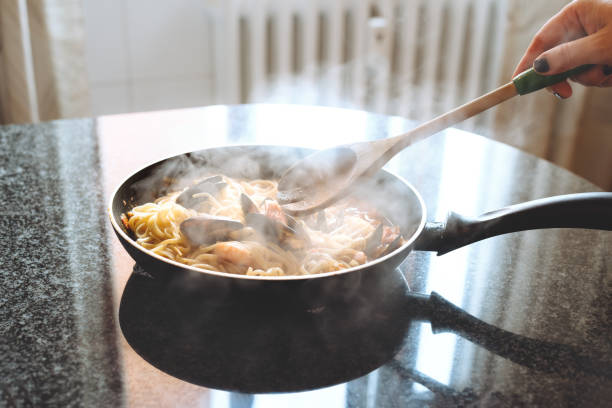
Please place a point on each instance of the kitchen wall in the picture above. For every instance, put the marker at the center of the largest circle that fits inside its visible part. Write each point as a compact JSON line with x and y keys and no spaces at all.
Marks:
{"x":147,"y":55}
{"x":150,"y":55}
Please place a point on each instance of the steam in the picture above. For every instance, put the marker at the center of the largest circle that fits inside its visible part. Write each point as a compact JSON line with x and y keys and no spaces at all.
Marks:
{"x":362,"y":85}
{"x":234,"y":161}
{"x":416,"y":61}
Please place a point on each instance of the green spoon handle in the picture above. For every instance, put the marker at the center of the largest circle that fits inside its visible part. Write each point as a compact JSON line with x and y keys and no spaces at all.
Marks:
{"x":529,"y":81}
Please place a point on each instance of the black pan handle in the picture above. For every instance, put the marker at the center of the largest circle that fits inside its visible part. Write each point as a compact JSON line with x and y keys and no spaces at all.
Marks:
{"x":541,"y":355}
{"x":582,"y":210}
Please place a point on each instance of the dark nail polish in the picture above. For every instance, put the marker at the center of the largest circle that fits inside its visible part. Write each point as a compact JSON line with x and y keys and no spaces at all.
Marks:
{"x":558,"y":96}
{"x":607,"y":70}
{"x":541,"y":65}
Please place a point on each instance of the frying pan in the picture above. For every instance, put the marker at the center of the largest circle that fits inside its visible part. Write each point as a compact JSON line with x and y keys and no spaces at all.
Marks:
{"x":391,"y":195}
{"x":169,"y":302}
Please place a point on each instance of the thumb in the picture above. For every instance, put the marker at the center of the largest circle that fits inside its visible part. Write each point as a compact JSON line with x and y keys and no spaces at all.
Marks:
{"x":563,"y":57}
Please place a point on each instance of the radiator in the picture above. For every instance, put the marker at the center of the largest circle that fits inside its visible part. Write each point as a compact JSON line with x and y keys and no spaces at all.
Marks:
{"x":414,"y":58}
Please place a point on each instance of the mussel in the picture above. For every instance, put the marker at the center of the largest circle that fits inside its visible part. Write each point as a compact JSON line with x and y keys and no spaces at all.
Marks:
{"x":207,"y":229}
{"x":191,"y":198}
{"x":270,"y":229}
{"x":273,"y":224}
{"x":300,"y":235}
{"x":248,"y":206}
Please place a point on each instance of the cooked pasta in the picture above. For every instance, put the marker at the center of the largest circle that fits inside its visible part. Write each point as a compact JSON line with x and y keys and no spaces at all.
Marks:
{"x":236,"y":226}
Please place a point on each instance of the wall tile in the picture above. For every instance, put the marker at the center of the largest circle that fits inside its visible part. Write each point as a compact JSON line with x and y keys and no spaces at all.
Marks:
{"x":107,"y":99}
{"x":168,"y":38}
{"x":105,"y":47}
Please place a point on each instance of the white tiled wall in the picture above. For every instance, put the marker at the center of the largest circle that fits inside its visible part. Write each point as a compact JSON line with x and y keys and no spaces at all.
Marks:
{"x":148,"y":54}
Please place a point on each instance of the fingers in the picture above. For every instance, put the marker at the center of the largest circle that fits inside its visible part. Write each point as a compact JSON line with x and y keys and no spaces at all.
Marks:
{"x":607,"y":82}
{"x":579,"y":34}
{"x":607,"y":71}
{"x":562,"y":90}
{"x":594,"y":76}
{"x":585,"y":50}
{"x":599,"y":75}
{"x":563,"y":27}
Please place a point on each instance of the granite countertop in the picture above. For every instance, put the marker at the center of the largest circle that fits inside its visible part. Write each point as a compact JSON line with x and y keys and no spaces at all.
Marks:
{"x":82,"y":325}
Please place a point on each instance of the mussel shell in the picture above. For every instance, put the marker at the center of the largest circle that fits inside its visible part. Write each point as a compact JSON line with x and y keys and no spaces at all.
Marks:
{"x":212,"y":179}
{"x":277,"y":232}
{"x":211,"y":185}
{"x":292,"y":222}
{"x":195,"y":203}
{"x":299,"y":232}
{"x":207,"y":229}
{"x":247,"y":205}
{"x":269,"y":228}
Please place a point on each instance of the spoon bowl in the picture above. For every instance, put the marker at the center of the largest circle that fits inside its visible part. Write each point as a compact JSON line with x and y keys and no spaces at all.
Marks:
{"x":309,"y":182}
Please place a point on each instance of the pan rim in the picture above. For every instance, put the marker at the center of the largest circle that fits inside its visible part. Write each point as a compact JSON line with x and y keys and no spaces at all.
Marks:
{"x":126,"y":238}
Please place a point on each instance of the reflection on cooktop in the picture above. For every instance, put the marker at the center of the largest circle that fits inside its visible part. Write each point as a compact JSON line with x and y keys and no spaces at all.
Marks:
{"x":271,"y":341}
{"x":267,"y":343}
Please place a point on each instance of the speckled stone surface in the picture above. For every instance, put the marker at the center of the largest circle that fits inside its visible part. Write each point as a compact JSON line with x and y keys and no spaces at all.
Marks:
{"x":57,"y":336}
{"x":62,"y":275}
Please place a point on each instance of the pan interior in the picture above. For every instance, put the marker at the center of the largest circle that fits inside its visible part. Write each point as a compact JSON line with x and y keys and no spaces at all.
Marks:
{"x":390,"y":195}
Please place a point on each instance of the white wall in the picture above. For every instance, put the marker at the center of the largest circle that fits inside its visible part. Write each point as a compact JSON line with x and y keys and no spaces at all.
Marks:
{"x":147,"y":54}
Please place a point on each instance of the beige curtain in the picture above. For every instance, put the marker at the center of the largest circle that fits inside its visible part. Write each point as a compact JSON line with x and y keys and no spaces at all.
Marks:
{"x":593,"y":148}
{"x":575,"y":133}
{"x":42,"y":64}
{"x":17,"y":92}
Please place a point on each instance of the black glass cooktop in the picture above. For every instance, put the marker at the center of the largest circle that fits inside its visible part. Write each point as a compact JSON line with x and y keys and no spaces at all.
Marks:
{"x":271,"y":341}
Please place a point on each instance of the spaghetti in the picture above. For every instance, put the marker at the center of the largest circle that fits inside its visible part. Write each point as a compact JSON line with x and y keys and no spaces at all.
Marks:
{"x":342,"y":236}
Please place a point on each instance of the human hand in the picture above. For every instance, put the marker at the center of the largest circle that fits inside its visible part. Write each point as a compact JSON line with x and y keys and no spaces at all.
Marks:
{"x":581,"y":33}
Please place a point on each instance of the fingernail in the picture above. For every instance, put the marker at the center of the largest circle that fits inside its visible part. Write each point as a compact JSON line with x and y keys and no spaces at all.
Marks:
{"x":558,"y":96}
{"x":541,"y":65}
{"x":607,"y":70}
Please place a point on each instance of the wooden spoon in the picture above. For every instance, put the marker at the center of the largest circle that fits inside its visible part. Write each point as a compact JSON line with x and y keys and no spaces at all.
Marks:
{"x":318,"y":180}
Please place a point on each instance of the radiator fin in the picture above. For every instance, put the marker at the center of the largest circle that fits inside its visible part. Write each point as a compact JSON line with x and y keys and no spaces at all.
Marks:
{"x":414,"y":58}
